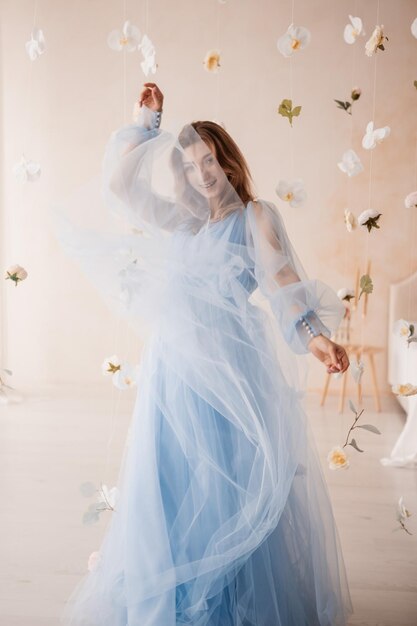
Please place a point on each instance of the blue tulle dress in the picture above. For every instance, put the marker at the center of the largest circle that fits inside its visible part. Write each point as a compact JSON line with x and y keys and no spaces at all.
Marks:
{"x":223,"y":516}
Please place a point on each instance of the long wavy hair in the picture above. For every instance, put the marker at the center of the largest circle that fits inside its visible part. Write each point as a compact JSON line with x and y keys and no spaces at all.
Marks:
{"x":230,"y":158}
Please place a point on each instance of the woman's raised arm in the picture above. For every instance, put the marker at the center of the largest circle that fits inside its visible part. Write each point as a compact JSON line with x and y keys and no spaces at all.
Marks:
{"x":128,"y":163}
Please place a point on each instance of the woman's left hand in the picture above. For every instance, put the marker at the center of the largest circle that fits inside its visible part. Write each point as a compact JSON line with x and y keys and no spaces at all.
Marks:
{"x":331,"y":354}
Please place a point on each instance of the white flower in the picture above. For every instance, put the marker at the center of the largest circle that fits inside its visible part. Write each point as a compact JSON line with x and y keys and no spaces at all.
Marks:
{"x":414,"y":28}
{"x":125,"y":377}
{"x":353,"y":30}
{"x":36,"y":44}
{"x":93,"y":561}
{"x":369,"y":218}
{"x":108,"y":496}
{"x":411,"y":200}
{"x":212,"y":61}
{"x":375,"y":41}
{"x":126,"y":39}
{"x":402,"y":511}
{"x":16,"y":273}
{"x":402,"y":328}
{"x":357,"y":369}
{"x":296,"y":38}
{"x":350,"y":221}
{"x":147,"y":48}
{"x":293,"y":192}
{"x":372,"y":137}
{"x":350,"y":163}
{"x":110,"y":365}
{"x":26,"y":171}
{"x":337,"y":458}
{"x":345,"y":293}
{"x":406,"y":389}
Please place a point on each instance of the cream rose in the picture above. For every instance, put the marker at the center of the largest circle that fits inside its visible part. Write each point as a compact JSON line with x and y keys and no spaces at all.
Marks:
{"x":337,"y":458}
{"x":16,"y":273}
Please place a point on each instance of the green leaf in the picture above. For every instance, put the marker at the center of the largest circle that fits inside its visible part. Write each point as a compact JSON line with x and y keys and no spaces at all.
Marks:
{"x":381,"y":46}
{"x":366,"y":285}
{"x":287,"y":104}
{"x":296,"y":111}
{"x":355,"y":445}
{"x":352,"y":407}
{"x":411,"y":329}
{"x":370,"y":427}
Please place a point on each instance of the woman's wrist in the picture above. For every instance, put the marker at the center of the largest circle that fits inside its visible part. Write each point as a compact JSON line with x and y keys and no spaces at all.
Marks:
{"x":309,"y":326}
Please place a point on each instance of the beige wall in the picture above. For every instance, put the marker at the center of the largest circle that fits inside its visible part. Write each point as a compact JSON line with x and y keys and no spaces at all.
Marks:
{"x":61,"y":109}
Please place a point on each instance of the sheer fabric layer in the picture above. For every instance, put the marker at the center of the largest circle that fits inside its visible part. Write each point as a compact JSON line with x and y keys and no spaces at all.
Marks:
{"x":223,"y":517}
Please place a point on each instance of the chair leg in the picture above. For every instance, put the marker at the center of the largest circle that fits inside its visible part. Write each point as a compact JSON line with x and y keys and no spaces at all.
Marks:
{"x":325,"y":390}
{"x":343,"y":392}
{"x":374,"y":382}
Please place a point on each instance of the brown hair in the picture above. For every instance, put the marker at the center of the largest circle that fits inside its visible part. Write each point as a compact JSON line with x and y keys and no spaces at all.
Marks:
{"x":229,"y":157}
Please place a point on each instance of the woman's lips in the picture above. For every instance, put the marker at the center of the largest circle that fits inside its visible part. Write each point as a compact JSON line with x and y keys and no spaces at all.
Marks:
{"x":208,"y":185}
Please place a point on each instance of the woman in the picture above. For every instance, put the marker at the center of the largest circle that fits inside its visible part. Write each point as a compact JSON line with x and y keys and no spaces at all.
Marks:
{"x":223,"y":516}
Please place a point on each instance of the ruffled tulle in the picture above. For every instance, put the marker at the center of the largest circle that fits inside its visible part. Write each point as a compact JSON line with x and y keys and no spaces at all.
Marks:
{"x":223,"y":517}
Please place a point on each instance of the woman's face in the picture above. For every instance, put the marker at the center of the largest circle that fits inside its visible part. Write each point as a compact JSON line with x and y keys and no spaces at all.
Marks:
{"x":203,"y":171}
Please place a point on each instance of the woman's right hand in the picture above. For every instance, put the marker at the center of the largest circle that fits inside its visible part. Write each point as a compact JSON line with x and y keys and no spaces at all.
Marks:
{"x":151,"y":96}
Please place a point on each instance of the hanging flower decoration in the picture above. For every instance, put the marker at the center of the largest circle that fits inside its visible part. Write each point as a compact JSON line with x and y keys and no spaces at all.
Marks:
{"x":147,"y":48}
{"x":26,"y":171}
{"x":406,"y":330}
{"x":123,"y":375}
{"x":353,"y":30}
{"x":126,"y":39}
{"x":414,"y":28}
{"x":402,"y":515}
{"x":212,"y":61}
{"x":16,"y":273}
{"x":296,"y":38}
{"x":285,"y":109}
{"x":337,"y":457}
{"x":106,"y":501}
{"x":404,"y":390}
{"x":366,"y":285}
{"x":376,"y":41}
{"x":345,"y":293}
{"x":36,"y":44}
{"x":374,"y":136}
{"x":347,"y":104}
{"x":350,"y":221}
{"x":350,"y":163}
{"x":369,"y":218}
{"x":357,"y":369}
{"x":411,"y":200}
{"x":293,"y":193}
{"x":110,"y":365}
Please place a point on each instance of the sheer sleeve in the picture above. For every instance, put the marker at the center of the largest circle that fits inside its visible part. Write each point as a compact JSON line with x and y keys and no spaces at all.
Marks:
{"x":129,"y":164}
{"x":298,"y":303}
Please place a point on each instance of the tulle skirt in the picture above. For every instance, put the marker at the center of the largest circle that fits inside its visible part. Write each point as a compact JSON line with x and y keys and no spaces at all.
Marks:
{"x":223,"y":516}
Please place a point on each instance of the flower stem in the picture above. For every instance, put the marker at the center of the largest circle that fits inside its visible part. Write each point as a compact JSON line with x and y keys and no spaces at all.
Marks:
{"x":352,"y":427}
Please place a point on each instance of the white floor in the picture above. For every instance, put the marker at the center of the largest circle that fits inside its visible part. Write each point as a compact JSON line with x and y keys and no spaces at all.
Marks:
{"x":57,"y":439}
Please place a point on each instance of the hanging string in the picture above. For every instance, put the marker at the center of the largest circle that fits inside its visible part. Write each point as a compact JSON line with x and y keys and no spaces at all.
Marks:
{"x":412,"y":238}
{"x":291,"y":80}
{"x":116,"y":342}
{"x":368,"y":234}
{"x":217,"y":92}
{"x":8,"y":218}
